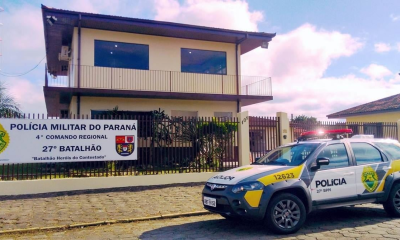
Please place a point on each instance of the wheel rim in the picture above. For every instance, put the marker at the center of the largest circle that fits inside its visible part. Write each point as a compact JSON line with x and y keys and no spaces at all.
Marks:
{"x":396,"y":200}
{"x":287,"y":214}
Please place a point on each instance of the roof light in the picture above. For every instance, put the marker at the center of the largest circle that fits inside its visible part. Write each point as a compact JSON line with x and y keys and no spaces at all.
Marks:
{"x":335,"y":134}
{"x":322,"y":132}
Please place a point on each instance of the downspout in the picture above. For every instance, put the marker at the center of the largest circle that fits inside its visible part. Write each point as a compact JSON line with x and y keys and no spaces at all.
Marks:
{"x":237,"y":70}
{"x":78,"y":98}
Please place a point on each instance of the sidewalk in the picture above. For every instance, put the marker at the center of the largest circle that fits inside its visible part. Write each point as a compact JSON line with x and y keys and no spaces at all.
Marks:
{"x":55,"y":209}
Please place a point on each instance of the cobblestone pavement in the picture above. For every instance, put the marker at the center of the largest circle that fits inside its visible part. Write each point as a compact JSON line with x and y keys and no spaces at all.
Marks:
{"x":361,"y":222}
{"x":57,"y":209}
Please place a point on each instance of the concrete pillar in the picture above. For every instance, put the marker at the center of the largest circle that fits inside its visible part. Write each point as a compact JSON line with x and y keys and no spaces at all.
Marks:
{"x":243,"y":138}
{"x":398,"y":130}
{"x":284,"y":128}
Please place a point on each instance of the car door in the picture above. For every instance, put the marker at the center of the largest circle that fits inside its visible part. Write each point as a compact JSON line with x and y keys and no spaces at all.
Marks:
{"x":336,"y":180}
{"x":371,"y":168}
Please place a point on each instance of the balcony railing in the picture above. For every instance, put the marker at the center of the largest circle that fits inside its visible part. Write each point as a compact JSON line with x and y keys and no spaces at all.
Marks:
{"x":159,"y":81}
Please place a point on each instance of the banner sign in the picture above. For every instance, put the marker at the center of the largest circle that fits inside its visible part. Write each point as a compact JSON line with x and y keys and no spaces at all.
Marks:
{"x":65,"y":140}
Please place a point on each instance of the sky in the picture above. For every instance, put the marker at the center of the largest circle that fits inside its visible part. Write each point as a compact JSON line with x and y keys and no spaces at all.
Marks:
{"x":327,"y":56}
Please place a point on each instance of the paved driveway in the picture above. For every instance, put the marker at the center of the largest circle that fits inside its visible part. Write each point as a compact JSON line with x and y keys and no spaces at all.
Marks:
{"x":361,"y":222}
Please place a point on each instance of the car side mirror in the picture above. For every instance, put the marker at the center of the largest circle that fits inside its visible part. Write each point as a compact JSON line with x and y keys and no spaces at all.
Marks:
{"x":320,"y":161}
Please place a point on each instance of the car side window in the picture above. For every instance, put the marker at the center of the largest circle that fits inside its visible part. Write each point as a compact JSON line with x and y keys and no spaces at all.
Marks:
{"x":337,"y":155}
{"x":366,"y":153}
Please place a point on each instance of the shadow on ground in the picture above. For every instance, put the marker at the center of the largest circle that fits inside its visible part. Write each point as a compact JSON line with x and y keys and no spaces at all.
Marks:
{"x":327,"y":222}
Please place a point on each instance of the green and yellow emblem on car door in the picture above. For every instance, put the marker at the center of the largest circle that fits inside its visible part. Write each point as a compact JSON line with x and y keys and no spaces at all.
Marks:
{"x":369,"y":178}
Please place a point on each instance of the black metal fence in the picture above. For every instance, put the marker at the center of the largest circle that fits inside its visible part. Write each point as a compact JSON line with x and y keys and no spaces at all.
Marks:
{"x":165,"y":145}
{"x":378,"y":129}
{"x":264,"y":135}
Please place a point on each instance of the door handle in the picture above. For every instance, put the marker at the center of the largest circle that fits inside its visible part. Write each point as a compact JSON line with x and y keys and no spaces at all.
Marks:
{"x":349,"y":174}
{"x":387,"y":168}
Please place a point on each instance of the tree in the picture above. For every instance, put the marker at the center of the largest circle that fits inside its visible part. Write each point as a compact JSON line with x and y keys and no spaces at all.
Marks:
{"x":8,"y":106}
{"x":305,"y":119}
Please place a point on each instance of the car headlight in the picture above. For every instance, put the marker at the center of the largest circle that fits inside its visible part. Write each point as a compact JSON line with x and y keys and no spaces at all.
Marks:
{"x":243,"y":187}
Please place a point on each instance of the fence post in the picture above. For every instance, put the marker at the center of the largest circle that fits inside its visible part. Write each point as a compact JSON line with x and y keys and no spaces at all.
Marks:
{"x":284,"y":128}
{"x":398,"y":130}
{"x":243,"y":139}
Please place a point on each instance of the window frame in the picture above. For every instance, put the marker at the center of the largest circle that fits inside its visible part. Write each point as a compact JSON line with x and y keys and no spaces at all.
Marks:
{"x":348,"y":153}
{"x":98,"y":40}
{"x":226,"y":61}
{"x":384,"y":159}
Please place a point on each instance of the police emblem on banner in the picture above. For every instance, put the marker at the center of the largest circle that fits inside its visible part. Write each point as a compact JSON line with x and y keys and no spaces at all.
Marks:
{"x":4,"y":139}
{"x":125,"y":145}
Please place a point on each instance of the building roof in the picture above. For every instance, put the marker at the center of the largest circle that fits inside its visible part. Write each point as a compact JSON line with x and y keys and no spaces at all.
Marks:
{"x":60,"y":33}
{"x":389,"y":104}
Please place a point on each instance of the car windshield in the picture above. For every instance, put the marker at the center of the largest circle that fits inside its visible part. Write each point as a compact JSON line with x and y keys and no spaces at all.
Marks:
{"x":293,"y":155}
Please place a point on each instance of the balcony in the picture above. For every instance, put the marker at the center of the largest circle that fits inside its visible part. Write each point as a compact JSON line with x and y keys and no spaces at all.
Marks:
{"x":119,"y":82}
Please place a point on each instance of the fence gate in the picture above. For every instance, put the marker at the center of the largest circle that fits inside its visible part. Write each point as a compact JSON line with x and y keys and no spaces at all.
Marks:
{"x":264,"y":135}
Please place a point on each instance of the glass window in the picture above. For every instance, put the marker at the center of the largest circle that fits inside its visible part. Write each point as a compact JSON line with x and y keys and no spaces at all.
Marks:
{"x":223,"y":114}
{"x":293,"y":155}
{"x":337,"y":155}
{"x":121,"y":55}
{"x":391,"y":149}
{"x":365,"y":153}
{"x":203,"y":61}
{"x":187,"y":114}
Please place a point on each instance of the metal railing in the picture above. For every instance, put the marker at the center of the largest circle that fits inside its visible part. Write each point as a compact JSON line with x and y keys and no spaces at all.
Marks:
{"x":160,"y":81}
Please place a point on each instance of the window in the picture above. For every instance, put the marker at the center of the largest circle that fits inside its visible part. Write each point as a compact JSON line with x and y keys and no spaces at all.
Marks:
{"x":121,"y":55}
{"x":223,"y":114}
{"x":391,"y":149}
{"x":186,"y":114}
{"x":203,"y":61}
{"x":337,"y":155}
{"x":365,"y":153}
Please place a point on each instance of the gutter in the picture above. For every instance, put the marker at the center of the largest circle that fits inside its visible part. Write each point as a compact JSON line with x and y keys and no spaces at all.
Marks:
{"x":78,"y":98}
{"x":237,"y":69}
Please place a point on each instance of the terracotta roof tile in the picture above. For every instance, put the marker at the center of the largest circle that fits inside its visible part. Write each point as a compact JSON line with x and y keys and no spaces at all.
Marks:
{"x":388,"y":104}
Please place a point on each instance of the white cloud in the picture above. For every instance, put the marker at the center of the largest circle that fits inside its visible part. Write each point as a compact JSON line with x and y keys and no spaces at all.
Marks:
{"x":375,"y":71}
{"x":398,"y":46}
{"x":27,"y":94}
{"x":394,"y":17}
{"x":213,"y":13}
{"x":382,"y":47}
{"x":297,"y":62}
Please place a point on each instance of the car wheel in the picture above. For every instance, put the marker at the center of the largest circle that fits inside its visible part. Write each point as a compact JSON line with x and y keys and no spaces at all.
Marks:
{"x":285,"y":214}
{"x":392,"y":204}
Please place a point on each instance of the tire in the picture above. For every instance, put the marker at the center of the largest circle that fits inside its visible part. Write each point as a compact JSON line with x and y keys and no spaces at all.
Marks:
{"x":293,"y":217}
{"x":392,"y":204}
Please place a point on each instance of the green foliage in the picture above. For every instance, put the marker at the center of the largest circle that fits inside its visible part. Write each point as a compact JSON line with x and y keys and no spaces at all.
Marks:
{"x":8,"y":106}
{"x":306,"y":119}
{"x":207,"y":138}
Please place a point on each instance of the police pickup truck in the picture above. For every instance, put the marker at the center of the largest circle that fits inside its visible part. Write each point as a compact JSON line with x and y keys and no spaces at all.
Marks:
{"x":286,"y":184}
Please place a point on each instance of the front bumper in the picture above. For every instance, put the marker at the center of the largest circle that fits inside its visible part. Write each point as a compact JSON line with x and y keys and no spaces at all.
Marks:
{"x":232,"y":204}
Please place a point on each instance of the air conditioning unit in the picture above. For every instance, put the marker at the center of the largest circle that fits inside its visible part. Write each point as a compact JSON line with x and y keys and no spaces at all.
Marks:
{"x":64,"y":55}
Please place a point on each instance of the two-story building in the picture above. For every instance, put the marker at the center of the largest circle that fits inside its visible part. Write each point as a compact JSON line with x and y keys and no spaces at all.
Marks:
{"x":97,"y":62}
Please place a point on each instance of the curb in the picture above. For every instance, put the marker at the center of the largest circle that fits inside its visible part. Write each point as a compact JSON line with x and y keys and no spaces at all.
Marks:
{"x":107,"y":222}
